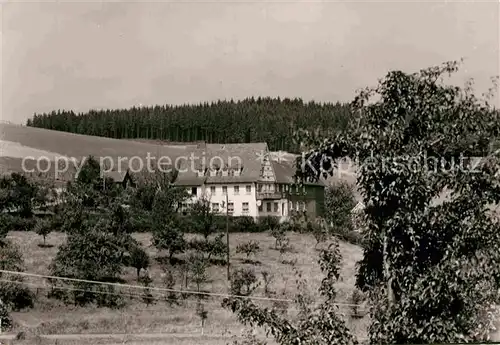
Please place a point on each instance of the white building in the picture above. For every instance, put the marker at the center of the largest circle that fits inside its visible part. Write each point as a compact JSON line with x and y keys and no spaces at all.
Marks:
{"x":243,"y":177}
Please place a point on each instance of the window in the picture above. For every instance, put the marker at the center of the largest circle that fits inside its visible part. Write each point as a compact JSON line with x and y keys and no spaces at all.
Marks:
{"x":236,"y":190}
{"x":260,"y":208}
{"x":224,"y":172}
{"x":215,"y":207}
{"x":230,"y":207}
{"x":194,"y":190}
{"x":213,"y":172}
{"x":245,"y":207}
{"x":212,"y":190}
{"x":268,"y":207}
{"x":276,"y":207}
{"x":224,"y":190}
{"x":249,"y":189}
{"x":292,"y":205}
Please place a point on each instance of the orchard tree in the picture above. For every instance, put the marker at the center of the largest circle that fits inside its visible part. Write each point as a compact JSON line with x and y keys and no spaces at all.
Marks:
{"x":339,"y":202}
{"x":430,"y":267}
{"x":139,"y":259}
{"x":316,"y":325}
{"x":43,"y":228}
{"x":169,"y":236}
{"x":248,"y":248}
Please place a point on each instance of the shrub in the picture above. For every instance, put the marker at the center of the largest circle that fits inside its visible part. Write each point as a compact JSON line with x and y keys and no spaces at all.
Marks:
{"x":43,"y":227}
{"x":13,"y":295}
{"x":248,"y":248}
{"x":339,"y":202}
{"x":244,"y":282}
{"x":198,"y":270}
{"x":268,"y":278}
{"x":169,"y":237}
{"x":10,"y":222}
{"x":5,"y":319}
{"x":245,"y":224}
{"x":210,"y":248}
{"x":138,"y":259}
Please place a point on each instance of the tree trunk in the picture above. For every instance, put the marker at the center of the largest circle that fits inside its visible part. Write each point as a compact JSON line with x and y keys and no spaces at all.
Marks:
{"x":138,"y":273}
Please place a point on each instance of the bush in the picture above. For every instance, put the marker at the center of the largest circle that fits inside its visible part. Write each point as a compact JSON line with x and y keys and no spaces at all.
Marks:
{"x":10,"y":222}
{"x":169,"y":237}
{"x":248,"y":248}
{"x":5,"y":319}
{"x":138,"y":259}
{"x":244,"y":282}
{"x":13,"y":295}
{"x":215,"y":247}
{"x":43,"y":227}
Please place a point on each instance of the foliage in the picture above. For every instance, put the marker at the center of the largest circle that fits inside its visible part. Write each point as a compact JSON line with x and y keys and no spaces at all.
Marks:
{"x":276,"y":229}
{"x":430,"y":267}
{"x":169,"y":236}
{"x":339,"y":202}
{"x":13,"y":295}
{"x":5,"y":319}
{"x":320,"y":325}
{"x":249,"y":339}
{"x":244,"y":282}
{"x":139,"y":259}
{"x":95,"y":255}
{"x":17,"y":194}
{"x":268,"y":279}
{"x":319,"y":229}
{"x":202,"y":313}
{"x":203,"y":219}
{"x":248,"y":120}
{"x":147,"y":297}
{"x":169,"y":282}
{"x":357,"y":298}
{"x":43,"y":227}
{"x":248,"y":248}
{"x":209,"y":247}
{"x":198,"y":270}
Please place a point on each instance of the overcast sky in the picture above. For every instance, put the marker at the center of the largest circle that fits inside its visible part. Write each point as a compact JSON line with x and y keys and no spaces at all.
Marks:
{"x":81,"y":55}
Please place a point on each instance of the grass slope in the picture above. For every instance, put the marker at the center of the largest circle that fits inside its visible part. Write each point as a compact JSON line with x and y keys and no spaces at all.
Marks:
{"x":52,"y":317}
{"x":73,"y":145}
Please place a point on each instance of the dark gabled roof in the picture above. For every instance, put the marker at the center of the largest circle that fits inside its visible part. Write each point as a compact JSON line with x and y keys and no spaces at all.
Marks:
{"x":285,"y":172}
{"x":247,"y":157}
{"x":230,"y":179}
{"x":189,"y":181}
{"x":115,"y":175}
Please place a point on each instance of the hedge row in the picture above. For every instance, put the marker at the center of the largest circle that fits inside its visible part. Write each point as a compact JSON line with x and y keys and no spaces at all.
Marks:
{"x":139,"y":223}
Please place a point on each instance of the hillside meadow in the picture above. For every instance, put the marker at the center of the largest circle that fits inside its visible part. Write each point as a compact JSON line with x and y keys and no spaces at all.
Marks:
{"x":53,"y":317}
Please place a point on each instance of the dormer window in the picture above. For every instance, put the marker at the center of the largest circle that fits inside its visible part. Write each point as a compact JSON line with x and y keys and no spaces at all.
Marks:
{"x":213,"y":172}
{"x":237,"y":172}
{"x":225,"y":172}
{"x":201,"y":172}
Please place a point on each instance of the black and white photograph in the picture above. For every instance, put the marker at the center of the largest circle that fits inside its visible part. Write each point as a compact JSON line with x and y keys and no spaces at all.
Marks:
{"x":232,"y":172}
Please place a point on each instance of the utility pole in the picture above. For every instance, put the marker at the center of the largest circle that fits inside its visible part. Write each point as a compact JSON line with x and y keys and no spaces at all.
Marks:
{"x":227,"y":236}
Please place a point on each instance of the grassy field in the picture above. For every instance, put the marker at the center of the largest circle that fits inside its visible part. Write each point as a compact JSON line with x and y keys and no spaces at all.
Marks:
{"x":53,"y":317}
{"x":18,"y":142}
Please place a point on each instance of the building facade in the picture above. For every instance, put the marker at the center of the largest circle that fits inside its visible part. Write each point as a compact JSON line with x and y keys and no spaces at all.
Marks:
{"x":242,"y":180}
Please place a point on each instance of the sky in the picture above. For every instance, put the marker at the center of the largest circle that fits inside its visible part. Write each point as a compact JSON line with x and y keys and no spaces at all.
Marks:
{"x":83,"y":55}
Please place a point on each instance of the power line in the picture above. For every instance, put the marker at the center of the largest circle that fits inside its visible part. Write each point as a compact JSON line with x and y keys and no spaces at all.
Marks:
{"x":258,"y":298}
{"x":156,"y":298}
